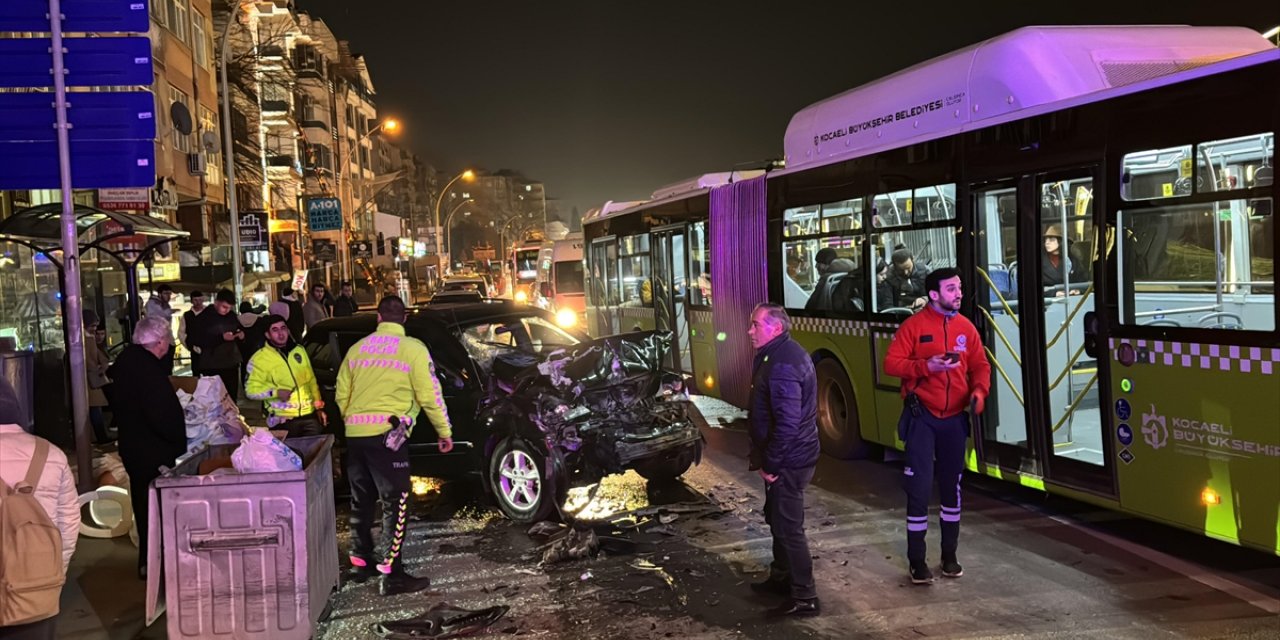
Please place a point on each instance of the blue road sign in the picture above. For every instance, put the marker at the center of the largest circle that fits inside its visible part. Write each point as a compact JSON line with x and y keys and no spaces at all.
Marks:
{"x":30,"y":117}
{"x":90,"y":62}
{"x":324,"y":214}
{"x":95,"y":164}
{"x":89,"y":16}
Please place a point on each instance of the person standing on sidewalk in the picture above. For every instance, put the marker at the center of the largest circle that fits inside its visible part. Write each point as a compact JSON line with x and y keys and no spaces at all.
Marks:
{"x":219,"y":343}
{"x":188,"y":330}
{"x":345,"y":304}
{"x":784,"y":448}
{"x":31,"y":460}
{"x":383,"y":381}
{"x":280,"y":375}
{"x":938,"y":354}
{"x":315,"y":310}
{"x":152,"y":426}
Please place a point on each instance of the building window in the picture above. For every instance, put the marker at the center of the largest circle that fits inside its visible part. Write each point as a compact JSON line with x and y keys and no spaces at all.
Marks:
{"x":178,"y":18}
{"x":209,"y":124}
{"x":158,"y":9}
{"x":199,"y":45}
{"x":181,"y":141}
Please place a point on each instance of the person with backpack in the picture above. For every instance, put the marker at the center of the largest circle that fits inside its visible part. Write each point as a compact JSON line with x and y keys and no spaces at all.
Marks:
{"x":38,"y":491}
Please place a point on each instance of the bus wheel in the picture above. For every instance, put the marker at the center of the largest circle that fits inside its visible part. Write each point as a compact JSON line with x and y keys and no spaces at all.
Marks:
{"x":838,"y":413}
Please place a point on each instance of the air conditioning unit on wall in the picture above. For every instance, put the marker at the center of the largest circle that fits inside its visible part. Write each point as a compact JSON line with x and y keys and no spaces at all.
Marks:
{"x":196,"y":163}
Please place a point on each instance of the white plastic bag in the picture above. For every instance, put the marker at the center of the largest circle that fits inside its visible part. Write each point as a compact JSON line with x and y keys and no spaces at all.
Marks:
{"x":261,"y":452}
{"x":212,"y":417}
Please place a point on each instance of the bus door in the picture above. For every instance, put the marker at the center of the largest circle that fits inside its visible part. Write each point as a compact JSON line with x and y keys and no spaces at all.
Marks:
{"x":1035,"y":266}
{"x":604,"y":287}
{"x":1003,"y":439}
{"x":1061,"y":282}
{"x":670,"y":290}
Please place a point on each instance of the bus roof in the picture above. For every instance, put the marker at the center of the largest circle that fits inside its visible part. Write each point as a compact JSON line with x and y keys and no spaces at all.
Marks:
{"x":1009,"y":76}
{"x":683,"y":189}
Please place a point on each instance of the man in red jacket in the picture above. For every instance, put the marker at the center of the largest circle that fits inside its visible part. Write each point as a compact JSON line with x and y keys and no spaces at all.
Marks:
{"x":938,"y":354}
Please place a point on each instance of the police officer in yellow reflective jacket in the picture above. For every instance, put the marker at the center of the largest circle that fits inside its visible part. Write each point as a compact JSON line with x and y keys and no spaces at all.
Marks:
{"x":280,"y":375}
{"x":383,"y":381}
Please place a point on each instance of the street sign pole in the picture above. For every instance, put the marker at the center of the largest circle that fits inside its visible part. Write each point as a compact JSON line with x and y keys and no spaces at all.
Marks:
{"x":71,"y":266}
{"x":229,"y":157}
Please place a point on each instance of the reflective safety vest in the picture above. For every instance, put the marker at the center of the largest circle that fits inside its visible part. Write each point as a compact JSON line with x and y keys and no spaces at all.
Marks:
{"x":389,"y":374}
{"x":271,"y":370}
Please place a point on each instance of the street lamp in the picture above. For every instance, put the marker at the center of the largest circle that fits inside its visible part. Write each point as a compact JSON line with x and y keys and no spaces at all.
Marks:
{"x":467,"y":175}
{"x":448,"y":224}
{"x":228,"y":152}
{"x":390,"y":125}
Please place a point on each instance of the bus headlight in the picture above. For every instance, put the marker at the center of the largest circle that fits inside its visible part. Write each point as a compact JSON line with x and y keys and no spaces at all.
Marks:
{"x":522,"y":296}
{"x":566,"y":318}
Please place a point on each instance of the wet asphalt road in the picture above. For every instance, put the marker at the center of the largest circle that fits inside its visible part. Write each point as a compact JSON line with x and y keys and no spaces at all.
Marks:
{"x":1034,"y":566}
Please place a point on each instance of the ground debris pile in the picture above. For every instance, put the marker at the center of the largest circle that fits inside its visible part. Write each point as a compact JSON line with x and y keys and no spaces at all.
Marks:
{"x":441,"y":621}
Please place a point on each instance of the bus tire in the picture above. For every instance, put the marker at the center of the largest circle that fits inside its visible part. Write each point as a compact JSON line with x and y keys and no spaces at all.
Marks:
{"x":838,"y":424}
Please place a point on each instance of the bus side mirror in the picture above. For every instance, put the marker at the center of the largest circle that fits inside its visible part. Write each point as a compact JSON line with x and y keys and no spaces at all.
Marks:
{"x":1091,"y":334}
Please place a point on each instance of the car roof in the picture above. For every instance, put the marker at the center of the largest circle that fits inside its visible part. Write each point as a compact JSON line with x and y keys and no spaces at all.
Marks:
{"x":449,"y":314}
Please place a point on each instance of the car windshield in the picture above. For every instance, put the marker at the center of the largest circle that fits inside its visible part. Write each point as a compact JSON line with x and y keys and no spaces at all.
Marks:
{"x":531,"y":335}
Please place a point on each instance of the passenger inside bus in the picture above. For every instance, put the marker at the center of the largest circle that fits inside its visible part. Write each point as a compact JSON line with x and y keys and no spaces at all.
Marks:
{"x":1059,"y":267}
{"x":905,"y":280}
{"x":793,"y":294}
{"x":822,"y":266}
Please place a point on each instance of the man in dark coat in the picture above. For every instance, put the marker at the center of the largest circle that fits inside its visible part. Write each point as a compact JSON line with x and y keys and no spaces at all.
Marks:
{"x":153,"y":430}
{"x":219,"y":343}
{"x":784,"y":448}
{"x":345,"y":304}
{"x":906,"y":279}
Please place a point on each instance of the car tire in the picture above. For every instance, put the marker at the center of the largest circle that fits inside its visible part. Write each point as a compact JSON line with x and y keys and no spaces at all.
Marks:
{"x":838,"y":424}
{"x":519,"y":482}
{"x":667,"y":467}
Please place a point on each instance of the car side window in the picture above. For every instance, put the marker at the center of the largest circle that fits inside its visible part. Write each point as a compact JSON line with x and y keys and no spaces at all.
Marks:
{"x":546,"y":337}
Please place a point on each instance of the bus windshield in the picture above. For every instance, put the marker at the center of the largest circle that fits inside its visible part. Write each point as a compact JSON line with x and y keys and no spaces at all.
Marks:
{"x":569,"y":277}
{"x":526,"y":265}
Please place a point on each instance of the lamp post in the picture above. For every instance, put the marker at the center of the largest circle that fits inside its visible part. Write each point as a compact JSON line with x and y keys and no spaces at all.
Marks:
{"x":467,"y":175}
{"x":448,"y":224}
{"x":390,"y":125}
{"x":228,"y":153}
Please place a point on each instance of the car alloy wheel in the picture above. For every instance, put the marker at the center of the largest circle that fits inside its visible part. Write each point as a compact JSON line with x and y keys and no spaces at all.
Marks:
{"x":519,"y":480}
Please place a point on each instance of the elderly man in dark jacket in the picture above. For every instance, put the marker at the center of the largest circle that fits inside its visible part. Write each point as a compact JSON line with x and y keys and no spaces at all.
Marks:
{"x":784,"y":448}
{"x":153,"y":429}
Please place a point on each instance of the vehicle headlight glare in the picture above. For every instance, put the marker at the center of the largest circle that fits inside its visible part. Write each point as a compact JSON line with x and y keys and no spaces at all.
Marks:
{"x":566,"y":318}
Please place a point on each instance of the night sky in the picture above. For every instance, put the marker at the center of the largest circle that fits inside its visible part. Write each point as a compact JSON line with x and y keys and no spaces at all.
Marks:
{"x":609,"y":100}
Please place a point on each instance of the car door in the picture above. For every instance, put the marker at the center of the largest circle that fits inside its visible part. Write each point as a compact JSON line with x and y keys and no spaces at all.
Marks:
{"x":457,"y":383}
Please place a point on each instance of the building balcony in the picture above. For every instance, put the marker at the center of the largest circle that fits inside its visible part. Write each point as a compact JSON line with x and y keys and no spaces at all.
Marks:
{"x":280,"y":160}
{"x":275,"y":106}
{"x":317,"y":124}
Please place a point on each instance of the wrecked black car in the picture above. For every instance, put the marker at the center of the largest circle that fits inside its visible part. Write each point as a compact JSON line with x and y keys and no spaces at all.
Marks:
{"x":536,"y":409}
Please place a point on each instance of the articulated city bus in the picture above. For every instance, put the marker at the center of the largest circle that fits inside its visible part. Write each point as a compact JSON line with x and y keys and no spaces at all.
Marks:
{"x":1108,"y":195}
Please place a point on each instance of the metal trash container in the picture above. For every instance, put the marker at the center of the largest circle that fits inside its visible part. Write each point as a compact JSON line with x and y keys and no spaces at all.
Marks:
{"x":18,"y":368}
{"x":251,"y":555}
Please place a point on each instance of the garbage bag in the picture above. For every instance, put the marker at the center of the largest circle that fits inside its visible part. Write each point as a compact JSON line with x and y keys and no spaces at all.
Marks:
{"x":211,"y":416}
{"x":262,"y":452}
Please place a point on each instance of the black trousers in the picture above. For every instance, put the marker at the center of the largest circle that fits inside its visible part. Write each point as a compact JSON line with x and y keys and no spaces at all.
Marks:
{"x":140,"y":477}
{"x":42,"y":630}
{"x":308,"y":425}
{"x":230,"y":380}
{"x":378,"y":474}
{"x":784,"y":512}
{"x":935,"y":452}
